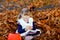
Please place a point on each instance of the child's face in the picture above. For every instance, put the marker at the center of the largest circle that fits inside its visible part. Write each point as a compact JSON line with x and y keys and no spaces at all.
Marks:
{"x":26,"y":17}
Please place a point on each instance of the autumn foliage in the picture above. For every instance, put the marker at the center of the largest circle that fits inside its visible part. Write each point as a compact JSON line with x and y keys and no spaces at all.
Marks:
{"x":48,"y":20}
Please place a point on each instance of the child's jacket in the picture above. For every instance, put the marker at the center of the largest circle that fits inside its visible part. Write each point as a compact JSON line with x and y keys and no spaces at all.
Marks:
{"x":22,"y":25}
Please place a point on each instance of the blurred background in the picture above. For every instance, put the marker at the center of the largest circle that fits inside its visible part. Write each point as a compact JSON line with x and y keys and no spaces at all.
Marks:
{"x":46,"y":14}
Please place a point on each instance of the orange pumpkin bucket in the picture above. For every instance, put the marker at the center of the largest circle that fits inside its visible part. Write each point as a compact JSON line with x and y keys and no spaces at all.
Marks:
{"x":12,"y":36}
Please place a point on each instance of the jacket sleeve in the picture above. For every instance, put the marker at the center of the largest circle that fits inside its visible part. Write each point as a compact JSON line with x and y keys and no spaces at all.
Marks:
{"x":34,"y":27}
{"x":20,"y":30}
{"x":31,"y":21}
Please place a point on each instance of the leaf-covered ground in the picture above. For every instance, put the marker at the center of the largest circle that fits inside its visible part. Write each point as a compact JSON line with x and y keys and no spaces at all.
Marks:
{"x":46,"y":16}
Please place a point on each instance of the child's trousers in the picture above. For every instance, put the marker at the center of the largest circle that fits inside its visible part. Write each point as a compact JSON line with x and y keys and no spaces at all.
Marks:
{"x":28,"y":38}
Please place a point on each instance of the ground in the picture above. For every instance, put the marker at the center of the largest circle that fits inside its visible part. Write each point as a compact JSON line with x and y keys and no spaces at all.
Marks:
{"x":46,"y":17}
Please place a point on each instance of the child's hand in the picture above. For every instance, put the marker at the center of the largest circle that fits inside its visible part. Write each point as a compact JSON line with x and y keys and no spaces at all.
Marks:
{"x":28,"y":28}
